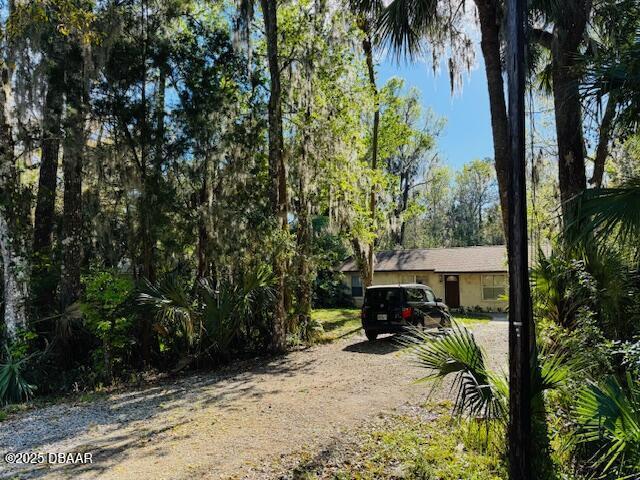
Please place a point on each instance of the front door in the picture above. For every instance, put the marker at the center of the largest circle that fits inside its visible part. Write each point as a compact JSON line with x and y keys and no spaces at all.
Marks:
{"x":452,"y":291}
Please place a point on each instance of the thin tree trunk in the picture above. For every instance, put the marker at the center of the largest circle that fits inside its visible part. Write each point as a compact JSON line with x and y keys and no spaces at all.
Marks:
{"x":47,"y":186}
{"x":277,"y":172}
{"x":72,"y":160}
{"x":403,"y":208}
{"x":490,"y":44}
{"x":15,"y":275}
{"x":304,"y":253}
{"x":204,"y":208}
{"x":361,"y":261}
{"x":602,"y":150}
{"x":305,"y":231}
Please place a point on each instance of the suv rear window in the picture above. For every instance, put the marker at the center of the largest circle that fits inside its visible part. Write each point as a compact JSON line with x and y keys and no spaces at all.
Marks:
{"x":388,"y":296}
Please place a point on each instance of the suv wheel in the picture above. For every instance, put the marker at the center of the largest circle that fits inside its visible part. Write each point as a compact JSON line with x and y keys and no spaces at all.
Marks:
{"x":371,"y":336}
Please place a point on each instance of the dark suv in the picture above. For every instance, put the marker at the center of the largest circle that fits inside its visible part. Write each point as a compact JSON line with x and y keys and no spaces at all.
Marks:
{"x":391,"y":308}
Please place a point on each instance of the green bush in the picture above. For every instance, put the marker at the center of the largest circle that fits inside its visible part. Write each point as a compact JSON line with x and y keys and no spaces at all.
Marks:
{"x":212,"y":321}
{"x":103,"y":302}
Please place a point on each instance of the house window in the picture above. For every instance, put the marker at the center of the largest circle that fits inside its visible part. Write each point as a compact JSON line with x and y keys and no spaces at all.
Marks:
{"x":493,"y":286}
{"x":356,"y":286}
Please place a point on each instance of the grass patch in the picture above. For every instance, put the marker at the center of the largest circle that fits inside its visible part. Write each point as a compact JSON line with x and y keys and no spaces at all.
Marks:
{"x":337,"y":322}
{"x":342,"y":322}
{"x":428,"y":445}
{"x":469,"y":320}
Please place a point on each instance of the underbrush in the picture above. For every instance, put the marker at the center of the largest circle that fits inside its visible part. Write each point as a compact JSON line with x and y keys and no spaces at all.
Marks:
{"x":427,"y":443}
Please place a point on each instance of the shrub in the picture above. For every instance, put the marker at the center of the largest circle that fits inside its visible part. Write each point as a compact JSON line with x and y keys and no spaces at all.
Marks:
{"x":103,"y":302}
{"x":212,"y":321}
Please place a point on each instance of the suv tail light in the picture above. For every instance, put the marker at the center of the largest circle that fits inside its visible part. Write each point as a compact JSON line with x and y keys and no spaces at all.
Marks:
{"x":407,"y":312}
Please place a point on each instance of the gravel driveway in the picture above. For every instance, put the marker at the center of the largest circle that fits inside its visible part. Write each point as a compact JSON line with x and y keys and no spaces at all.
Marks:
{"x":230,"y":423}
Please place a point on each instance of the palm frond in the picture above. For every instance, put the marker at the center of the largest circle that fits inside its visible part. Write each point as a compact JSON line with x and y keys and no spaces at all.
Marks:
{"x":608,"y":415}
{"x":479,"y":391}
{"x":14,"y":388}
{"x":608,"y":214}
{"x":171,"y":303}
{"x":403,"y":24}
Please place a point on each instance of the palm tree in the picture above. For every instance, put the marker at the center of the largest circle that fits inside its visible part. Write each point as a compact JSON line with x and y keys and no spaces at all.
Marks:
{"x":211,"y":319}
{"x":479,"y":391}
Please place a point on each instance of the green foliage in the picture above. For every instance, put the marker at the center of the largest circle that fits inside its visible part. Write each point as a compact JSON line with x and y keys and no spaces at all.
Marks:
{"x":14,"y":387}
{"x":212,"y":320}
{"x":608,"y":420}
{"x":429,"y":446}
{"x":482,"y":393}
{"x":562,"y":286}
{"x":456,"y":353}
{"x":608,"y":214}
{"x":104,"y":305}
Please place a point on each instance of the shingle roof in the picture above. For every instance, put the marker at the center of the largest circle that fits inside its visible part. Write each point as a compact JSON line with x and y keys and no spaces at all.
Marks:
{"x":447,"y":260}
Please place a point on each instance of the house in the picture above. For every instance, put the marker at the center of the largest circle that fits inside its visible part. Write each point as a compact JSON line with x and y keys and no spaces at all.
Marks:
{"x":469,"y":277}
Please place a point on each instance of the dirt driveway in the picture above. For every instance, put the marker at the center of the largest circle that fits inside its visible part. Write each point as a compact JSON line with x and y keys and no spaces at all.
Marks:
{"x":233,"y":423}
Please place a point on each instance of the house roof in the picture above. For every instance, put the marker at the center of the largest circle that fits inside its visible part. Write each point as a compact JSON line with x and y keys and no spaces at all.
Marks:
{"x":491,"y":258}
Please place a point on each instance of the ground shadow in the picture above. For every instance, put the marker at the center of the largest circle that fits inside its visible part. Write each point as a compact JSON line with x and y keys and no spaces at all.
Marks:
{"x":63,"y":427}
{"x":382,"y":346}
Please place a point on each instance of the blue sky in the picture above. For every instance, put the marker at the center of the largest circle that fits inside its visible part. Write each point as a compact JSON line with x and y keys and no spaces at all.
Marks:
{"x":467,"y":134}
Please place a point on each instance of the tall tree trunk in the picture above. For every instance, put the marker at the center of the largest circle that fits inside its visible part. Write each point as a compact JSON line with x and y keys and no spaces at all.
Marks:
{"x":47,"y":186}
{"x":568,"y":114}
{"x":367,"y":46}
{"x":13,"y":221}
{"x":490,"y":44}
{"x":277,"y":171}
{"x":72,"y":161}
{"x":565,"y":43}
{"x":602,"y":150}
{"x":205,"y":200}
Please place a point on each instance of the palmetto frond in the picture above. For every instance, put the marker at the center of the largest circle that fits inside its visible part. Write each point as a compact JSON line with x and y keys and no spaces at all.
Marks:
{"x":14,"y":387}
{"x":608,"y":416}
{"x":172,"y":304}
{"x":479,"y":391}
{"x":608,"y":214}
